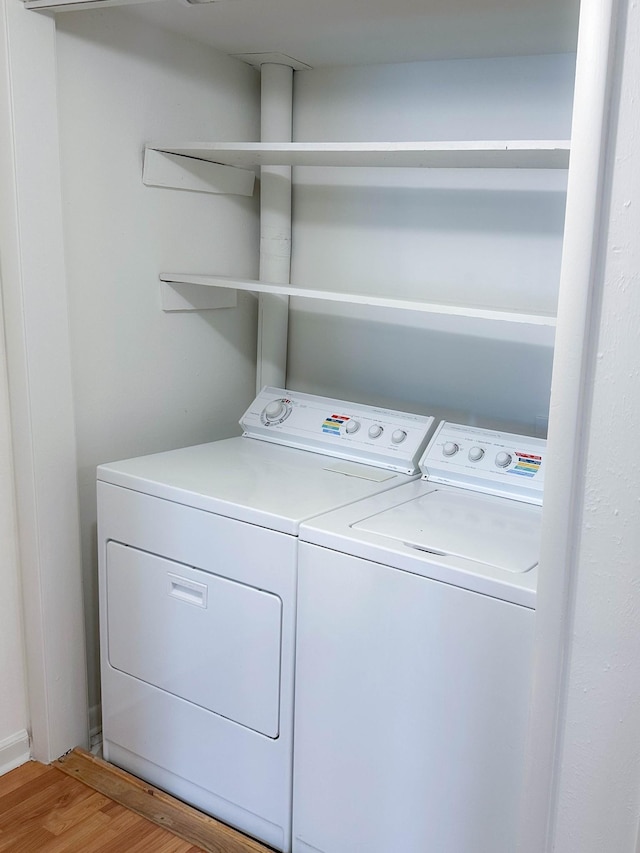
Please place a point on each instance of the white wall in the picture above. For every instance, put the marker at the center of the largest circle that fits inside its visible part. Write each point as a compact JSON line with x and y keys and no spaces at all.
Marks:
{"x":492,"y":238}
{"x":598,"y":805}
{"x":38,"y":366}
{"x":14,"y":741}
{"x":146,"y":381}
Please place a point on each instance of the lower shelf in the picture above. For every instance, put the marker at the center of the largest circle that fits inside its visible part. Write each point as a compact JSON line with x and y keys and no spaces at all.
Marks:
{"x":172,"y":280}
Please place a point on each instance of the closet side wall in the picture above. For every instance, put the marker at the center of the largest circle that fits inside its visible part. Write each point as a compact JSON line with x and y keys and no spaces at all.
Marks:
{"x":145,"y":380}
{"x":14,"y":741}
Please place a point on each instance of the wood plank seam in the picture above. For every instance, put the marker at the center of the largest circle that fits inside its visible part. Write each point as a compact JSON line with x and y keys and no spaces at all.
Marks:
{"x":187,"y":823}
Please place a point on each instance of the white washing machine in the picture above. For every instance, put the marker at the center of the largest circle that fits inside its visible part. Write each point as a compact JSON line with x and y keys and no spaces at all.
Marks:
{"x":197,"y":569}
{"x":413,"y":660}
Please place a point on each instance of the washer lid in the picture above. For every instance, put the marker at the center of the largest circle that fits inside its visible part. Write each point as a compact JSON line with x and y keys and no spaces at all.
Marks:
{"x":493,"y":531}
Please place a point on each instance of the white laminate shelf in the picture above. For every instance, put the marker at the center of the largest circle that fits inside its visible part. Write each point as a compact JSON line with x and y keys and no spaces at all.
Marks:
{"x":500,"y":154}
{"x":180,"y":280}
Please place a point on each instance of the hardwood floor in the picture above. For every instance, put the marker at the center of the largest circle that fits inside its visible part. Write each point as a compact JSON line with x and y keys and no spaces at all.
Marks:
{"x":57,"y":809}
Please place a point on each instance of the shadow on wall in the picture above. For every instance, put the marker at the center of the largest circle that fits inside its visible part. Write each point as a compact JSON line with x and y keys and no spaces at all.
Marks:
{"x":478,"y":245}
{"x":497,"y":382}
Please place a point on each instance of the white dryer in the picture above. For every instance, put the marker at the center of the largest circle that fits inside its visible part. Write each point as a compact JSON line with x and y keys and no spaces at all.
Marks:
{"x":413,"y":662}
{"x":197,"y":572}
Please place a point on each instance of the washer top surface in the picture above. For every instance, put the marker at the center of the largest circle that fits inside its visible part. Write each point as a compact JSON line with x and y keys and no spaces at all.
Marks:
{"x":473,"y":520}
{"x":481,"y":528}
{"x":250,"y":480}
{"x":418,"y":528}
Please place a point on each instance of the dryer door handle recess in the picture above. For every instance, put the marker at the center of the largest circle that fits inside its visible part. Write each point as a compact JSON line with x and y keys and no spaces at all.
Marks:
{"x":187,"y":590}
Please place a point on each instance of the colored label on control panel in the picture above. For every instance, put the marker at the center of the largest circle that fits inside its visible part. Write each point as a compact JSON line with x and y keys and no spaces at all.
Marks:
{"x":332,"y":424}
{"x":527,"y":465}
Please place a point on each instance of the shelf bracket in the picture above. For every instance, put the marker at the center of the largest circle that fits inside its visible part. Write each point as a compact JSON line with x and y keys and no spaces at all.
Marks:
{"x":178,"y":172}
{"x":179,"y":296}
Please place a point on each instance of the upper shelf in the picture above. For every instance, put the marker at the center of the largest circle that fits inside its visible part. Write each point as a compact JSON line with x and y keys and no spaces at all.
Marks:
{"x":500,"y":154}
{"x":424,"y":306}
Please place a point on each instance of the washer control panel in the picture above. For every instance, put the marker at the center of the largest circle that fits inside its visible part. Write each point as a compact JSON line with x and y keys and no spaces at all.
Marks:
{"x":486,"y":460}
{"x":384,"y":438}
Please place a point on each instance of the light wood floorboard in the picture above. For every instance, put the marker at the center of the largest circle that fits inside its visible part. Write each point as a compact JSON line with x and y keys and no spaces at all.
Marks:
{"x":81,"y":804}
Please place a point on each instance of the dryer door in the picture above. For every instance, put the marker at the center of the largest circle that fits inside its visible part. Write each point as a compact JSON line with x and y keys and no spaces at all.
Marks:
{"x":209,"y":640}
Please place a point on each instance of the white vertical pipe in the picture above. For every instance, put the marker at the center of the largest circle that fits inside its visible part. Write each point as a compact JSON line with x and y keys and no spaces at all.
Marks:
{"x":275,"y":227}
{"x":565,"y":456}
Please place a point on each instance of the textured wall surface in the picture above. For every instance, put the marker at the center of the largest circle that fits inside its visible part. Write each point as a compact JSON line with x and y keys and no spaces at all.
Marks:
{"x":599,"y":801}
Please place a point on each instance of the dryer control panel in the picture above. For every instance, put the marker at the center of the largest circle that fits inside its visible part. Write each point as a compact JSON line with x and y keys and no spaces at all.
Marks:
{"x":485,"y":460}
{"x":384,"y":438}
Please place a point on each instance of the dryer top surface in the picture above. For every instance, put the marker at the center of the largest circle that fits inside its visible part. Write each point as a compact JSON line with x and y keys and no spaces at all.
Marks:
{"x":254,"y":481}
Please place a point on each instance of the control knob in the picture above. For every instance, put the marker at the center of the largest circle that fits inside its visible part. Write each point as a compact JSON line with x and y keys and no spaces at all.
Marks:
{"x":450,"y":448}
{"x":352,"y":427}
{"x":503,"y":459}
{"x":476,"y":454}
{"x":398,"y":436}
{"x":275,"y":410}
{"x":375,"y":431}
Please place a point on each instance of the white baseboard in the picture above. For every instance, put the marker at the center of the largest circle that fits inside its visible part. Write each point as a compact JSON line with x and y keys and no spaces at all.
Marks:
{"x":14,"y":751}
